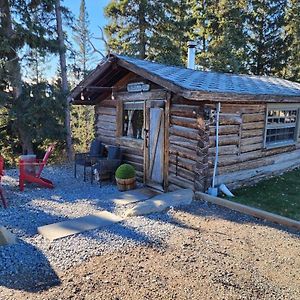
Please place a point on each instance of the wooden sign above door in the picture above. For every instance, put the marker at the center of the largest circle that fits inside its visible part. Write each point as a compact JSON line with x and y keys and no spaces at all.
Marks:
{"x":138,"y":87}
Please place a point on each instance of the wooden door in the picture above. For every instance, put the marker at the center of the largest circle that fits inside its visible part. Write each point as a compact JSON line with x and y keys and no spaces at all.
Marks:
{"x":155,"y":147}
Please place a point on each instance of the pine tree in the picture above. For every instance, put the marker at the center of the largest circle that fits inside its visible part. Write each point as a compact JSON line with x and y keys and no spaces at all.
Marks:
{"x":292,"y":33}
{"x":82,"y":36}
{"x":19,"y":29}
{"x":267,"y":47}
{"x":228,"y":43}
{"x":147,"y":29}
{"x":127,"y":30}
{"x":82,"y":119}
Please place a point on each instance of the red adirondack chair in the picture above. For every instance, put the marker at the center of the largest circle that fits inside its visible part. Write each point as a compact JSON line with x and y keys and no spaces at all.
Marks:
{"x":3,"y":199}
{"x":34,"y":175}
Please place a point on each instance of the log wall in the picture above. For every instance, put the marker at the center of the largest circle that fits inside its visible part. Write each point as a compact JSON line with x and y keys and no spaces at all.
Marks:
{"x":106,"y":124}
{"x":184,"y":142}
{"x":242,"y":158}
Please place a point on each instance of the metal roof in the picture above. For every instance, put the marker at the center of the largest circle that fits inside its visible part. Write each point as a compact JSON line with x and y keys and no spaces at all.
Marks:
{"x":208,"y":81}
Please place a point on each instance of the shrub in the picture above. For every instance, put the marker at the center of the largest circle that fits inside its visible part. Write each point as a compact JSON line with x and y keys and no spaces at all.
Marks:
{"x":125,"y":171}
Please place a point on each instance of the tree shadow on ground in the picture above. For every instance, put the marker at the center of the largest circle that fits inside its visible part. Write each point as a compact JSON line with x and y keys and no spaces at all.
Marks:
{"x":26,"y":268}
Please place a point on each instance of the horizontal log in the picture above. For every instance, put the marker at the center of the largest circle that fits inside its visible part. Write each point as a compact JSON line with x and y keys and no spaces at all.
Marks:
{"x":181,"y":182}
{"x":106,"y":125}
{"x":253,"y":125}
{"x":251,"y":147}
{"x":183,"y":162}
{"x":225,"y":129}
{"x":133,"y":158}
{"x":138,"y":167}
{"x":130,"y":143}
{"x":107,"y":140}
{"x":225,"y":160}
{"x":183,"y":152}
{"x":248,"y":118}
{"x":108,"y":133}
{"x":224,"y":150}
{"x":181,"y":110}
{"x":184,"y":132}
{"x":252,"y":164}
{"x":111,"y":111}
{"x":252,"y":133}
{"x":256,"y":160}
{"x":230,"y":119}
{"x":232,"y":139}
{"x":242,"y":108}
{"x":251,"y":140}
{"x":139,"y":176}
{"x":106,"y":118}
{"x":133,"y":151}
{"x":284,"y":163}
{"x":184,"y":142}
{"x":274,"y":151}
{"x":108,"y":103}
{"x":184,"y":121}
{"x":189,"y":175}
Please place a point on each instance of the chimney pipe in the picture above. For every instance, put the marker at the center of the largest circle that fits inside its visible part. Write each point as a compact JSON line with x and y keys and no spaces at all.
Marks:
{"x":191,"y":54}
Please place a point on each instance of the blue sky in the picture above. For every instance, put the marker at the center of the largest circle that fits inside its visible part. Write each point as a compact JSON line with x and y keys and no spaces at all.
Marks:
{"x":95,"y":9}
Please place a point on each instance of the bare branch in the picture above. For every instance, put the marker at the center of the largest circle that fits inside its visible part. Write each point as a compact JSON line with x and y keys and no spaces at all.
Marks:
{"x":101,"y":38}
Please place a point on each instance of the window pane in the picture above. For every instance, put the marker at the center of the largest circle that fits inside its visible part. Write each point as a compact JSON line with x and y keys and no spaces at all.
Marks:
{"x":133,"y":122}
{"x":282,"y":117}
{"x":280,"y":135}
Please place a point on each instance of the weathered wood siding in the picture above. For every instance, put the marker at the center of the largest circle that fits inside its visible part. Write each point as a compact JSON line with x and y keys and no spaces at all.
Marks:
{"x":184,"y":138}
{"x":106,"y":124}
{"x":242,"y":158}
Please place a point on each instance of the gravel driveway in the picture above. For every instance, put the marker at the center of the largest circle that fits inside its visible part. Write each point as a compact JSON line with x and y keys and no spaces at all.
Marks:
{"x":71,"y":198}
{"x":200,"y":252}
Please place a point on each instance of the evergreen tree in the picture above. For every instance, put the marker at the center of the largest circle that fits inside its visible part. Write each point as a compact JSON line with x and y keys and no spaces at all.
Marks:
{"x":169,"y":43}
{"x":228,"y":43}
{"x":267,"y":47}
{"x":82,"y":119}
{"x":292,"y":33}
{"x":82,"y":36}
{"x":147,"y":29}
{"x":19,"y":29}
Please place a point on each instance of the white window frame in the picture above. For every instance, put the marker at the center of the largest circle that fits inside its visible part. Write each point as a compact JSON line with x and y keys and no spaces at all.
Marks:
{"x":267,"y":126}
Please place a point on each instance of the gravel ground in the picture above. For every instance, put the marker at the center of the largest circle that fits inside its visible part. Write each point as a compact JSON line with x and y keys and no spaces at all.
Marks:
{"x":201,"y":252}
{"x":71,"y":198}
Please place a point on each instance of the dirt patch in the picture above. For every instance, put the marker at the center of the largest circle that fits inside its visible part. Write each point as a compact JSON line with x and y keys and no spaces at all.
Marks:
{"x":213,"y":254}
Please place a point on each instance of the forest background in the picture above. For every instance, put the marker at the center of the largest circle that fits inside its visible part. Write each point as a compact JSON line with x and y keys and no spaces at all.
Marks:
{"x":260,"y":37}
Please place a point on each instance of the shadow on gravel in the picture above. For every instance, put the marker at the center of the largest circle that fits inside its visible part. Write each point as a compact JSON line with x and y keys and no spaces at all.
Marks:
{"x":211,"y":211}
{"x":26,"y":268}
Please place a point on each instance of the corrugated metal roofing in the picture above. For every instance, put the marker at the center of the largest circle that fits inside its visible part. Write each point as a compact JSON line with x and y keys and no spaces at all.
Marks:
{"x":208,"y":81}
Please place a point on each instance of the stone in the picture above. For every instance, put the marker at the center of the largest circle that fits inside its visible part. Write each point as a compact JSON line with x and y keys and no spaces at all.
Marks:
{"x":6,"y":237}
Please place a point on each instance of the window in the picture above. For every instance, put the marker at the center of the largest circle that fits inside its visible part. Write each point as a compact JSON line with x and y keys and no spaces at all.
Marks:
{"x":133,"y":120}
{"x":281,"y":126}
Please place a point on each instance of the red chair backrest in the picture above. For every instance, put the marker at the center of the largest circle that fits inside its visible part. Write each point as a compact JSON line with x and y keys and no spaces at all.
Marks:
{"x":1,"y":167}
{"x":45,"y":159}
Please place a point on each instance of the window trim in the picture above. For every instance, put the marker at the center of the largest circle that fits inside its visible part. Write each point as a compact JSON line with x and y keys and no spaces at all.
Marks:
{"x":288,"y":106}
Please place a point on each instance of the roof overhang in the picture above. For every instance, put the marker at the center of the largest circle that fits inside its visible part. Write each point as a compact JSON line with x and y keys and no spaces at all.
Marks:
{"x":99,"y":84}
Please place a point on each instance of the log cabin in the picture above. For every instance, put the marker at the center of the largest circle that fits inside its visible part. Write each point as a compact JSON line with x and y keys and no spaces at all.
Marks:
{"x":167,"y":122}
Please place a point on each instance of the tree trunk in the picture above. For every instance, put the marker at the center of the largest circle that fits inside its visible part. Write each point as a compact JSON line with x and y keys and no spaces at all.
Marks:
{"x":14,"y":71}
{"x":142,"y":30}
{"x":64,"y":79}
